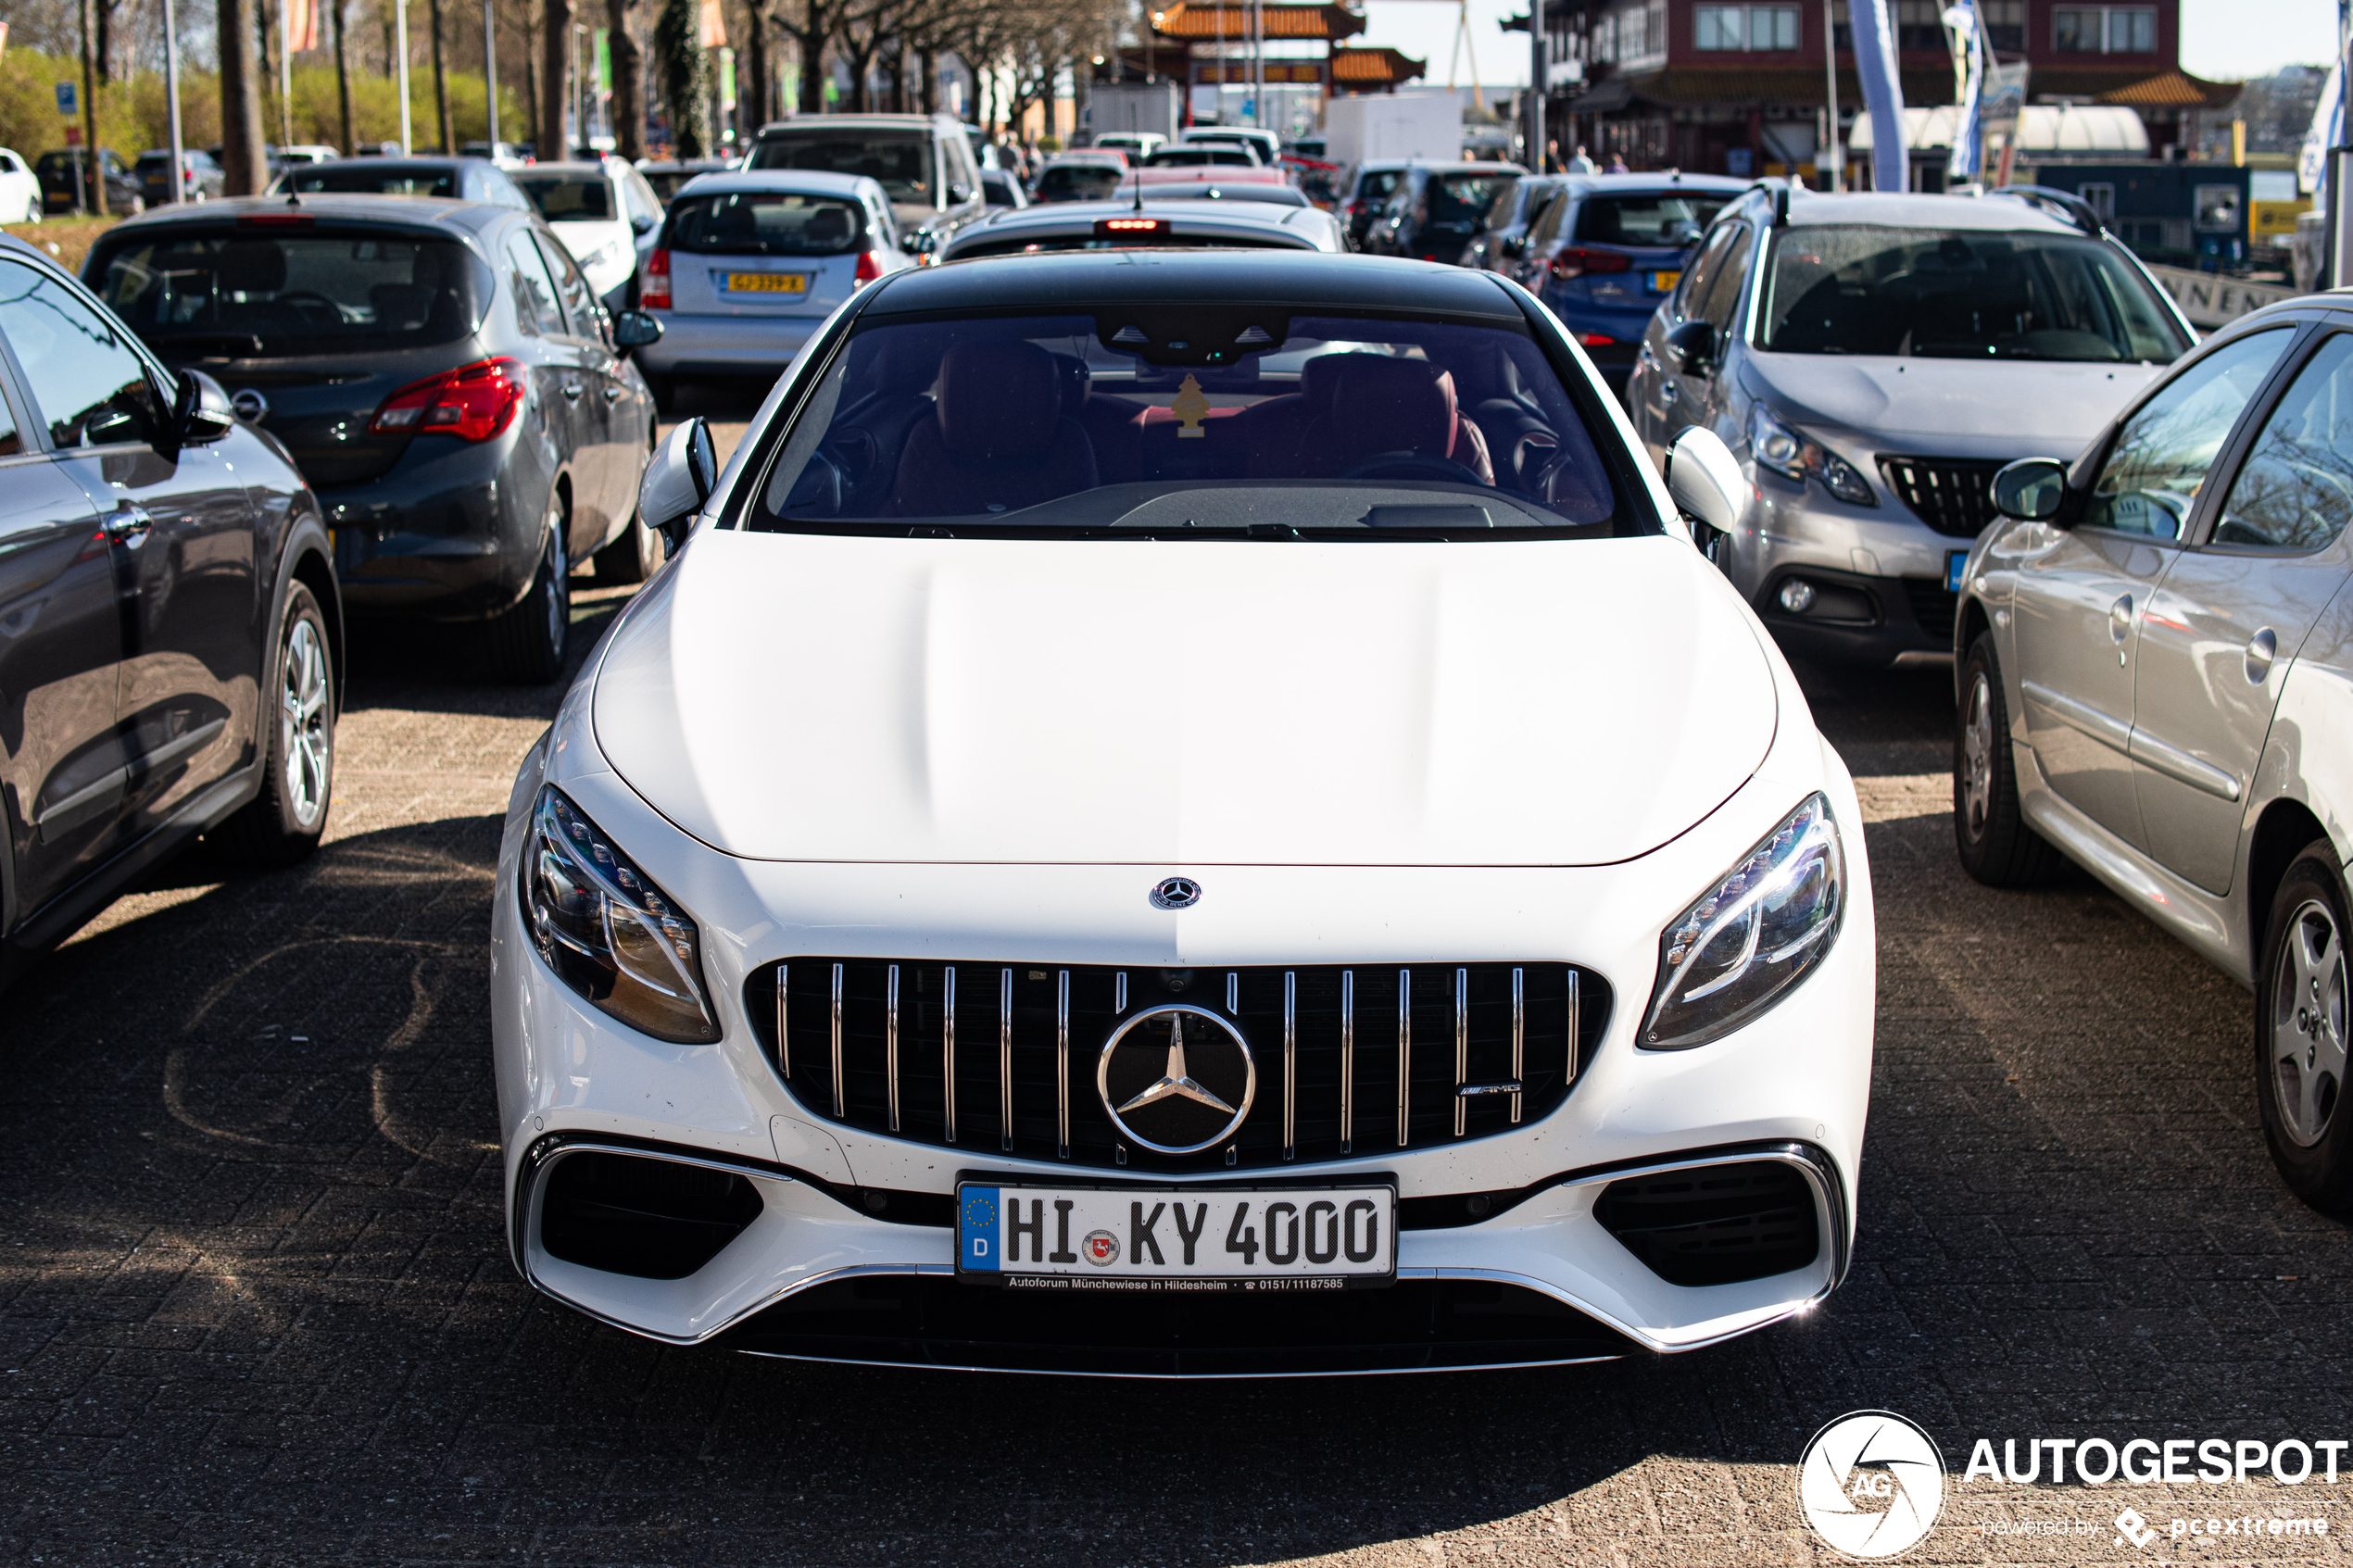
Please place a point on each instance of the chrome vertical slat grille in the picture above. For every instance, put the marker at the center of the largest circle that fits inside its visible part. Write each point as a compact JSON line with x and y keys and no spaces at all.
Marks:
{"x":841,"y":1031}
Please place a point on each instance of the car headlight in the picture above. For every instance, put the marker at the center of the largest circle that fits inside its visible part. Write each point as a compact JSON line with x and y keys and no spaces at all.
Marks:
{"x":1759,"y":932}
{"x":613,"y":935}
{"x":1798,"y":457}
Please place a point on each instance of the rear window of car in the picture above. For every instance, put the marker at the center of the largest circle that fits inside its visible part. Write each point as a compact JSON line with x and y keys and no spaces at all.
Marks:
{"x":1465,"y":198}
{"x":1190,"y":417}
{"x":1960,"y":294}
{"x":898,"y":160}
{"x":569,"y":198}
{"x":1042,"y":244}
{"x":381,"y":181}
{"x":1656,"y":218}
{"x":1379,"y":183}
{"x":247,"y":293}
{"x":1191,"y":157}
{"x":767,"y":223}
{"x":1072,"y":182}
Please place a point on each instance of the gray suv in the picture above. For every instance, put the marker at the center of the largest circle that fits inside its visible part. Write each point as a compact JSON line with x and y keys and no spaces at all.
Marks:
{"x":1872,"y":360}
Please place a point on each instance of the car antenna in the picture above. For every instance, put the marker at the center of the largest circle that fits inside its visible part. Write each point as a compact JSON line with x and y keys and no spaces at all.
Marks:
{"x":1139,"y":191}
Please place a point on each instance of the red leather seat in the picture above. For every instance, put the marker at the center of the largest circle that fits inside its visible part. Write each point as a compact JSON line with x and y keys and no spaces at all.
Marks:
{"x":998,"y":439}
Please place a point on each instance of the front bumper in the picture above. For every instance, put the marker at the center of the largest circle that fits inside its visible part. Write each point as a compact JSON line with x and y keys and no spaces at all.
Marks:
{"x":848,"y":1254}
{"x":1888,"y":567}
{"x":696,"y":345}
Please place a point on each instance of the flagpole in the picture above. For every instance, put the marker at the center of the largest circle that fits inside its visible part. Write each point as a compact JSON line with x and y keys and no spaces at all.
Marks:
{"x":170,"y":87}
{"x":400,"y":25}
{"x":490,"y":72}
{"x":286,"y":71}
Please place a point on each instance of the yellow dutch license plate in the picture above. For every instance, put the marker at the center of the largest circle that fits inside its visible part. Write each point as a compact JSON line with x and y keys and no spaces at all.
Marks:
{"x":1664,"y":282}
{"x":767,"y":282}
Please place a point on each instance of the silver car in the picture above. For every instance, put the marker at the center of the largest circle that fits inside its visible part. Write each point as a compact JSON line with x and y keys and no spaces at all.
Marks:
{"x":747,"y":264}
{"x":1872,"y":360}
{"x":2156,"y":681}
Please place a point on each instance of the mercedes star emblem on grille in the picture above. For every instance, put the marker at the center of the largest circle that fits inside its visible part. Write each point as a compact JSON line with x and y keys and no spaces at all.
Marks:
{"x":1177,"y":1078}
{"x":1176,"y":892}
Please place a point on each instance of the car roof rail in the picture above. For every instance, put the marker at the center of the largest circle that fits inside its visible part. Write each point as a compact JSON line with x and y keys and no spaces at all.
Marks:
{"x":2063,"y":204}
{"x":1780,"y":189}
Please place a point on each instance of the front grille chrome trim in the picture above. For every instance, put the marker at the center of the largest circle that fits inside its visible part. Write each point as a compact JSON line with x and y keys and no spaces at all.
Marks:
{"x":1519,"y":1036}
{"x":1062,"y":1064}
{"x":1462,"y":1043}
{"x":1291,"y":1064}
{"x":890,"y":1041}
{"x":948,"y":1050}
{"x":840,"y":1108}
{"x":1347,"y":1059}
{"x":1005,"y":1057}
{"x":1405,"y":1057}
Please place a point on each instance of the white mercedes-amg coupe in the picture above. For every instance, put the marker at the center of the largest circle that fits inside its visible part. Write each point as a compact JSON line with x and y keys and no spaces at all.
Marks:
{"x":1185,"y":812}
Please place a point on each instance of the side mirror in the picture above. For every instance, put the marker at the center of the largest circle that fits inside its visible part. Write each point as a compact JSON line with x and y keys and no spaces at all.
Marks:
{"x":678,"y":481}
{"x":1706,"y":480}
{"x":634,"y":329}
{"x":641,"y":224}
{"x":2031,"y":489}
{"x":202,"y":412}
{"x":1693,"y":347}
{"x":959,"y":193}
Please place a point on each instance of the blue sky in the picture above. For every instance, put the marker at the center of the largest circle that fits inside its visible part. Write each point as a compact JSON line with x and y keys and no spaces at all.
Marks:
{"x":2217,"y":41}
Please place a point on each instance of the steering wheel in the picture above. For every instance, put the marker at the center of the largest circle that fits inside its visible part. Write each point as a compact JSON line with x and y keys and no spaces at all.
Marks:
{"x":1414,"y":465}
{"x":303,"y":299}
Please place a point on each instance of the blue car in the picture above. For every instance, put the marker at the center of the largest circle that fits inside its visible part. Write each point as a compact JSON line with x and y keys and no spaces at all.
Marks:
{"x":1609,"y":248}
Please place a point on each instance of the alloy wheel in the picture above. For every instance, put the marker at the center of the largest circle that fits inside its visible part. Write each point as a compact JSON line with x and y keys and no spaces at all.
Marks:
{"x":1977,"y":756}
{"x":304,"y":737}
{"x":2307,"y":1023}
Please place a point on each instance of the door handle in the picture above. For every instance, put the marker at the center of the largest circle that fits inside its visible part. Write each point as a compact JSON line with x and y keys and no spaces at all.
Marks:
{"x":571,"y":391}
{"x":1667,"y":390}
{"x":2261,"y":648}
{"x":2119,"y":620}
{"x":613,"y":393}
{"x":127,"y":525}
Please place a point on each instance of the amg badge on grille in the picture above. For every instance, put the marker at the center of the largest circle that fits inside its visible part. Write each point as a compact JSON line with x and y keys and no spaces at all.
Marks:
{"x":1177,"y":1078}
{"x":1176,"y":892}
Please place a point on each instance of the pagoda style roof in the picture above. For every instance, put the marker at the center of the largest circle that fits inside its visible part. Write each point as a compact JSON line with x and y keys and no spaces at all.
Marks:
{"x":1356,"y":69}
{"x":1206,"y":24}
{"x":2172,"y":90}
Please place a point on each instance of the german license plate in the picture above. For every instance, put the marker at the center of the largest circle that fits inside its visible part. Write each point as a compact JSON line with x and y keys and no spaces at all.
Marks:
{"x":767,"y":282}
{"x":1956,"y":567}
{"x":1664,"y":282}
{"x":1074,"y":1237}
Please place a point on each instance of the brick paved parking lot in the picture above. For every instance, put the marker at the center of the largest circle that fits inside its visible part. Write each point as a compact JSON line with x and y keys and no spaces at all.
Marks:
{"x":255,"y":1307}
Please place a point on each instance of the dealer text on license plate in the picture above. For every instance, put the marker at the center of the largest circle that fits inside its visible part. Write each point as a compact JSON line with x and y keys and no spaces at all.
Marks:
{"x":767,"y":282}
{"x":1176,"y":1238}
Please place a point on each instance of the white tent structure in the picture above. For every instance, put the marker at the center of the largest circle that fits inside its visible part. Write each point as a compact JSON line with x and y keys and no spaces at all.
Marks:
{"x":2043,"y":130}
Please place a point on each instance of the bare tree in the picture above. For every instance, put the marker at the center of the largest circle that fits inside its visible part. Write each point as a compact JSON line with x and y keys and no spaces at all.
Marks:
{"x":441,"y":86}
{"x":628,"y":85}
{"x":343,"y":75}
{"x":240,"y":157}
{"x":554,"y":79}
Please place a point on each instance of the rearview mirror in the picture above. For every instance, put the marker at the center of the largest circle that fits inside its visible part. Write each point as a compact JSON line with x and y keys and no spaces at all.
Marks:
{"x":1693,"y":347}
{"x":1705,"y":478}
{"x":678,"y":481}
{"x":2031,"y":489}
{"x":634,"y":329}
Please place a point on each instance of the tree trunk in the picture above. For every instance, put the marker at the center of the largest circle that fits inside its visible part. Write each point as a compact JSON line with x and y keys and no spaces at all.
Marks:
{"x":683,"y":77}
{"x":812,"y":60}
{"x":90,"y":162}
{"x":343,"y":77}
{"x":240,"y":104}
{"x":441,"y":87}
{"x":104,"y":47}
{"x":929,"y":60}
{"x":628,"y":85}
{"x":554,"y":83}
{"x":531,"y":80}
{"x":267,"y":84}
{"x":763,"y":97}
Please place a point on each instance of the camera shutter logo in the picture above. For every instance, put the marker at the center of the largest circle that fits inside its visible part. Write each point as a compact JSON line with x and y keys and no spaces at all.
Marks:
{"x":1871,"y":1484}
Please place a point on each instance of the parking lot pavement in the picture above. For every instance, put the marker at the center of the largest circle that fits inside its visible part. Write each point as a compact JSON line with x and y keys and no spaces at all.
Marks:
{"x":255,"y":1307}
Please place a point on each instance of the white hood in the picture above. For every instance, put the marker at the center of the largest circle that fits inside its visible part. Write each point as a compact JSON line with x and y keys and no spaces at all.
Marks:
{"x":2049,"y":406}
{"x":812,"y":698}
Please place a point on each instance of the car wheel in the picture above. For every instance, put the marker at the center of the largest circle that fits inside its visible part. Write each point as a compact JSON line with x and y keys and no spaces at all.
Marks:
{"x":1997,"y":845}
{"x":527,"y":642}
{"x":282,"y":823}
{"x":2300,"y":1033}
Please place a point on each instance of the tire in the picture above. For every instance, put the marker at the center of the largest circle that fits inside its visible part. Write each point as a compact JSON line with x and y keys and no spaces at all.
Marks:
{"x":282,"y":823}
{"x":2300,"y":1001}
{"x":631,"y":558}
{"x":1995,"y":844}
{"x":527,"y":642}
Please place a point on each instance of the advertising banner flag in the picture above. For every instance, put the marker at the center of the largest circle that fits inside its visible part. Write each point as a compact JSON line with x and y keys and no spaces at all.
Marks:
{"x":1883,"y":94}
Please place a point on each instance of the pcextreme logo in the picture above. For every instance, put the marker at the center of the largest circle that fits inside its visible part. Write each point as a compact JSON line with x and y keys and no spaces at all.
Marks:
{"x":1871,"y":1484}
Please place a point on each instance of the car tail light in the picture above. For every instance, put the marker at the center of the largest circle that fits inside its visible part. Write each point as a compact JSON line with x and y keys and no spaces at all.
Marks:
{"x":654,"y":292}
{"x":473,"y":403}
{"x":869,"y":269}
{"x":1575,"y":261}
{"x":1595,"y":340}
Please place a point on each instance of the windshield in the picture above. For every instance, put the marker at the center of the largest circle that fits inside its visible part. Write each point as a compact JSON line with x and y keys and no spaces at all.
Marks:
{"x":900,"y":160}
{"x":1464,"y":198}
{"x":767,"y":223}
{"x":1670,"y":220}
{"x":1851,"y":289}
{"x":1128,"y":418}
{"x":241,"y":295}
{"x":569,"y":198}
{"x":1077,"y":183}
{"x":395,"y":179}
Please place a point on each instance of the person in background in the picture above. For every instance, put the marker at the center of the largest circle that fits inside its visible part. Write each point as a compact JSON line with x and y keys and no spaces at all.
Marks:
{"x":1617,"y":164}
{"x":1581,"y":163}
{"x":1552,"y":158}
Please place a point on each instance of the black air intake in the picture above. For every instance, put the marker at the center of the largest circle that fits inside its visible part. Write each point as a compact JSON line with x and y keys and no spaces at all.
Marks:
{"x":627,"y":1214}
{"x":1715,"y":1225}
